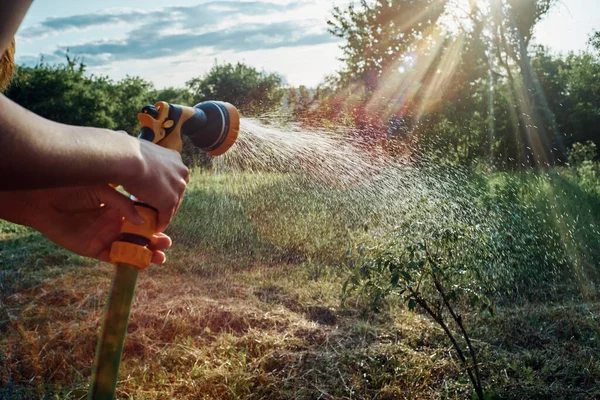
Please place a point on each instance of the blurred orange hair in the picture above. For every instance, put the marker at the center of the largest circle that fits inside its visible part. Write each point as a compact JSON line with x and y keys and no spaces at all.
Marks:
{"x":7,"y":66}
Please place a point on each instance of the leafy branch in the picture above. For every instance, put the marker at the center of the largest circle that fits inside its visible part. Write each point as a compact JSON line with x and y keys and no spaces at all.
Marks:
{"x":430,"y":274}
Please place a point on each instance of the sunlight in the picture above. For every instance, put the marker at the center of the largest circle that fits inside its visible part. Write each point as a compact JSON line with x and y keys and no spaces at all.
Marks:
{"x":450,"y":61}
{"x":427,"y":216}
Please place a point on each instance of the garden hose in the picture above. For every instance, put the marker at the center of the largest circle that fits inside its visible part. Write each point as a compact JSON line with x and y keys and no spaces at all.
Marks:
{"x":213,"y":126}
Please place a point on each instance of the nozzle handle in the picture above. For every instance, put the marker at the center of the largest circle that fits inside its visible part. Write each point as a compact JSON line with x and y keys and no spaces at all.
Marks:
{"x":161,"y":124}
{"x":212,"y":126}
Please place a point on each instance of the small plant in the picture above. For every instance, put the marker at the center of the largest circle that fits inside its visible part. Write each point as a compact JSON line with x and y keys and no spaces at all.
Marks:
{"x":582,"y":158}
{"x":582,"y":152}
{"x":431,"y":274}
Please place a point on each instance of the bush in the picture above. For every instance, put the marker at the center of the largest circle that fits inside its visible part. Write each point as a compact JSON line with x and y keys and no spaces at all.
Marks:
{"x":582,"y":152}
{"x":253,"y":92}
{"x":65,"y":93}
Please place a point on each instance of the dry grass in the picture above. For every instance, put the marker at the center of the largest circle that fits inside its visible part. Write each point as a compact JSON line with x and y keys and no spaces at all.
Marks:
{"x":226,"y":337}
{"x":241,"y":325}
{"x":257,"y":334}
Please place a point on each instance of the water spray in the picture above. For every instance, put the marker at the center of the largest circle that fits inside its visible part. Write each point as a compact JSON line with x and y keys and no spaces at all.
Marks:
{"x":213,"y":126}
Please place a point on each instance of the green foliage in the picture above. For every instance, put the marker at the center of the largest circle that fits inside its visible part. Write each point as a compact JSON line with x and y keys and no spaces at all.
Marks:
{"x":503,"y":101}
{"x":582,"y":152}
{"x":582,"y":156}
{"x":579,"y":114}
{"x":570,"y":86}
{"x":176,"y":96}
{"x":66,"y":94}
{"x":253,"y":92}
{"x":506,"y":236}
{"x":411,"y":269}
{"x":595,"y":41}
{"x":299,"y":101}
{"x":376,"y":32}
{"x":129,"y":95}
{"x":433,"y":274}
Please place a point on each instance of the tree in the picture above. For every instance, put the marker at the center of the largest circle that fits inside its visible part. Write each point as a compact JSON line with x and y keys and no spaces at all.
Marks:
{"x":580,"y":110}
{"x":595,"y":41}
{"x":512,"y":23}
{"x":405,"y":67}
{"x":299,"y":100}
{"x":437,"y":66}
{"x":64,"y":93}
{"x":377,"y":34}
{"x":571,"y":87}
{"x":173,"y":95}
{"x":251,"y":91}
{"x":129,"y":96}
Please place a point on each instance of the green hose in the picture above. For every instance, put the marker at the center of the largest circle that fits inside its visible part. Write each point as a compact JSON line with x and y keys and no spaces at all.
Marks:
{"x":110,"y":346}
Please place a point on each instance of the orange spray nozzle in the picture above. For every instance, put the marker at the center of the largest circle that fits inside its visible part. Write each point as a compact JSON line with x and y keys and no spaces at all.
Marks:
{"x":212,"y":125}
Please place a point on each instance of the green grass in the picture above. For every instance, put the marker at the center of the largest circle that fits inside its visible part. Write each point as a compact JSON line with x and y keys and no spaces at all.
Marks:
{"x":248,"y":306}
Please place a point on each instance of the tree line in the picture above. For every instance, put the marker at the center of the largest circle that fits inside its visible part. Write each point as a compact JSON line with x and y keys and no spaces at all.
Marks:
{"x":66,"y":93}
{"x":468,"y":82}
{"x":465,"y":85}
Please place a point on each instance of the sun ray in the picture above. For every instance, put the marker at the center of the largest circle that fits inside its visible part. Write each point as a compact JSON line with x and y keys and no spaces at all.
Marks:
{"x":400,"y":89}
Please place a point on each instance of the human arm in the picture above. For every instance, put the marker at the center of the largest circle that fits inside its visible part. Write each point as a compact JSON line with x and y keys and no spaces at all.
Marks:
{"x":62,"y":173}
{"x":11,"y":15}
{"x":84,"y":220}
{"x":36,"y":153}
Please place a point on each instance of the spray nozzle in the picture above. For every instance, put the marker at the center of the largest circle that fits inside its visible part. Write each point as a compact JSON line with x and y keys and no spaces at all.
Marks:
{"x":212,"y":125}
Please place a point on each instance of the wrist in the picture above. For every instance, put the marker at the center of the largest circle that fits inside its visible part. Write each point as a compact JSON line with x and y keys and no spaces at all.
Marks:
{"x":130,"y":167}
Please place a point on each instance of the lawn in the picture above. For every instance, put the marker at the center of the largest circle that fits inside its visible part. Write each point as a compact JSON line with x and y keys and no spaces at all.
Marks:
{"x":249,"y":304}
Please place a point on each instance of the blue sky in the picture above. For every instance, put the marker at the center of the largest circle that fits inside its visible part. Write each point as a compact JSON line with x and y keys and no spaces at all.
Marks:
{"x":170,"y":44}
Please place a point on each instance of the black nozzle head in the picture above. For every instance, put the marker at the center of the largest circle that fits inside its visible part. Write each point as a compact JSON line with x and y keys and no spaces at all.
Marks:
{"x":214,"y":128}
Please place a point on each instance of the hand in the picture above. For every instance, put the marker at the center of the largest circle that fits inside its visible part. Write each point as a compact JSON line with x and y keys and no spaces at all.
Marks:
{"x":84,"y":220}
{"x":160,"y":182}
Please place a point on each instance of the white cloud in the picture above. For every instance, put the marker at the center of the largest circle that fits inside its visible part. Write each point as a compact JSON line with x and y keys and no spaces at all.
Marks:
{"x":170,"y":45}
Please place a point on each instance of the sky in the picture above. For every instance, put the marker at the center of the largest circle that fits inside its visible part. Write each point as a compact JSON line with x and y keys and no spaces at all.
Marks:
{"x":171,"y":44}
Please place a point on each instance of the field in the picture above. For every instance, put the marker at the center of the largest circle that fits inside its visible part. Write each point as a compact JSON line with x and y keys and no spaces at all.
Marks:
{"x":249,"y":305}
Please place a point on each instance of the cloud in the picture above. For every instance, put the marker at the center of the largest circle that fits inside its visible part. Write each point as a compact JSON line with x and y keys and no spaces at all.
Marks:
{"x":203,"y":14}
{"x":174,"y":30}
{"x":61,"y":24}
{"x":244,"y":38}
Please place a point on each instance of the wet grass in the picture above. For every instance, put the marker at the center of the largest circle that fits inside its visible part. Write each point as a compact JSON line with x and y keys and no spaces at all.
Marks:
{"x":248,"y":306}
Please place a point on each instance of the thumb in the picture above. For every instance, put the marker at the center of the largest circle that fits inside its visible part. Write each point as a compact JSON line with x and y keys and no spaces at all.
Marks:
{"x":113,"y":199}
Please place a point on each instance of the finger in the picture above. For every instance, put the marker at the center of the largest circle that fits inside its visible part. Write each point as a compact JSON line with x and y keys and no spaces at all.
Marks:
{"x":178,"y":205}
{"x":158,"y":257}
{"x":163,"y":220}
{"x":160,"y":242}
{"x":112,"y":198}
{"x":170,"y":204}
